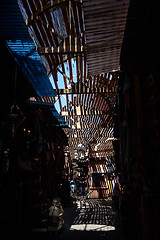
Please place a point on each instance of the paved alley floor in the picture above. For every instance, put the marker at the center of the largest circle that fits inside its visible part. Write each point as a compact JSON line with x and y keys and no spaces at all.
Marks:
{"x":91,"y":219}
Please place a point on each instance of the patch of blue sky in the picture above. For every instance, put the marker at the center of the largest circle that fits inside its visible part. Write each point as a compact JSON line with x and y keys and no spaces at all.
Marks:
{"x":67,"y":72}
{"x":52,"y":81}
{"x":69,"y":97}
{"x":63,"y":100}
{"x":60,"y":80}
{"x":57,"y":107}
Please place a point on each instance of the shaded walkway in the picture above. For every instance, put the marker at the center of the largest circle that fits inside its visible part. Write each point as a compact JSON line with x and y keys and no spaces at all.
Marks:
{"x":93,"y":219}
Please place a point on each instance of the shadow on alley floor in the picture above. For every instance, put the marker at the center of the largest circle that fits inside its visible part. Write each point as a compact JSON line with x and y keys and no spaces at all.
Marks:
{"x":94,"y":218}
{"x":91,"y":219}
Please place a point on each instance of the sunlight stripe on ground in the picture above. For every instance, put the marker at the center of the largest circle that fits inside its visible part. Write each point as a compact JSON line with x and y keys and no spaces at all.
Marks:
{"x":91,"y":227}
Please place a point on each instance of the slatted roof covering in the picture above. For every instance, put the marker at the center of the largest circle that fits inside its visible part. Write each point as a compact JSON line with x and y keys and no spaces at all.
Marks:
{"x":85,"y":102}
{"x":85,"y":99}
{"x":104,"y":29}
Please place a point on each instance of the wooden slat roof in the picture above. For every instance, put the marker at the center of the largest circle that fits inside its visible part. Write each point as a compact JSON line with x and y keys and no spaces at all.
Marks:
{"x":104,"y":29}
{"x":79,"y":45}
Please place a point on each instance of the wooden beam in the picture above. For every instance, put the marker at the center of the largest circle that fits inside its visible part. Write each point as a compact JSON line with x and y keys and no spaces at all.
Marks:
{"x":81,"y":135}
{"x":65,"y":49}
{"x":83,"y":112}
{"x":86,"y":90}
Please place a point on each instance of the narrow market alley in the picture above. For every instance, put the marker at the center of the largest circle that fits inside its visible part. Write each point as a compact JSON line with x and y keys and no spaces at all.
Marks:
{"x":79,"y":120}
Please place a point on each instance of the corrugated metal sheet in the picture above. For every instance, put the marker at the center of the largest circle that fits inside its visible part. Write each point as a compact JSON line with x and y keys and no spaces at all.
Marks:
{"x":14,"y":31}
{"x":104,"y":29}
